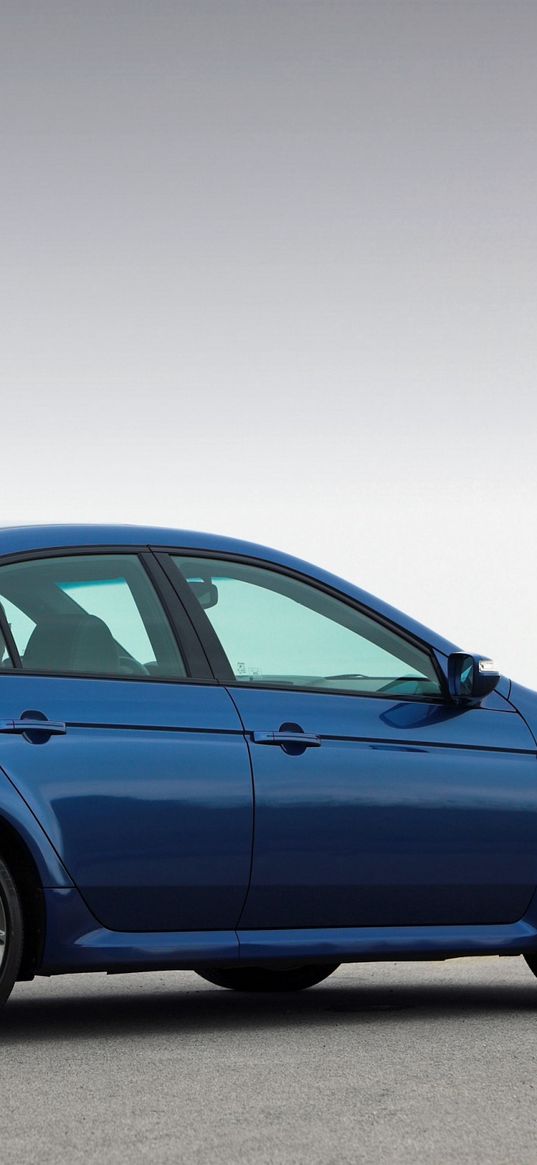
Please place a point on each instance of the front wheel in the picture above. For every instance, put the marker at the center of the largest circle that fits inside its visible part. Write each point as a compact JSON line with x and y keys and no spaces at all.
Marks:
{"x":268,"y":978}
{"x":11,"y":933}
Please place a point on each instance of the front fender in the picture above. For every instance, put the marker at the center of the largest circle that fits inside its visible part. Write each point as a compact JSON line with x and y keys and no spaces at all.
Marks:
{"x":15,"y":811}
{"x":525,"y":702}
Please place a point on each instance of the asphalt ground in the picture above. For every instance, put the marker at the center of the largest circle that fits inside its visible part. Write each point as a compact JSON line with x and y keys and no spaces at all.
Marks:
{"x":386,"y":1062}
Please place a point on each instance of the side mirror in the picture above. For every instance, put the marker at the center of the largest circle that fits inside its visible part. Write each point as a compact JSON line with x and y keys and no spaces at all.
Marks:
{"x":470,"y":677}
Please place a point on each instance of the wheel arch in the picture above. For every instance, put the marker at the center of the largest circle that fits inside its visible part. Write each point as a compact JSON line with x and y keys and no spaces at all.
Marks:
{"x":34,"y":865}
{"x":24,"y":872}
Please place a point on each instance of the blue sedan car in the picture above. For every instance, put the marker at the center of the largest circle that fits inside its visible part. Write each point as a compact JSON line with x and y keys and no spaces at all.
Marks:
{"x":215,"y":756}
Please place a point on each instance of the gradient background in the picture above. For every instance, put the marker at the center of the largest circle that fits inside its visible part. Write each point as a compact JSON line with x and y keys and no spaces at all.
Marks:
{"x":270,"y":269}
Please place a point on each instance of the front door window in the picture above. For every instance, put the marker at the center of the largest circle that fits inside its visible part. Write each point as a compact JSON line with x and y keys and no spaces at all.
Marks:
{"x":277,"y":630}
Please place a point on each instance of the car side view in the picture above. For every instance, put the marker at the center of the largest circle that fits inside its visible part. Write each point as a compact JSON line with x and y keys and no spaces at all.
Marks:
{"x":214,"y":756}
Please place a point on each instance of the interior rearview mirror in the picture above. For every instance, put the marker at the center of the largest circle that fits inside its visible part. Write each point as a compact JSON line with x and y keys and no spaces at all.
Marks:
{"x":471,"y":677}
{"x":205,"y":591}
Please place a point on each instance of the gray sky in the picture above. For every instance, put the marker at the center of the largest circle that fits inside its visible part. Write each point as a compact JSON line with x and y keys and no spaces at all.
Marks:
{"x":270,"y":269}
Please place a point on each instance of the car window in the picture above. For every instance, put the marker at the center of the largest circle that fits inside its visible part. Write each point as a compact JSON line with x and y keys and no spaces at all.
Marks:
{"x":5,"y":658}
{"x":20,"y":624}
{"x":88,"y":614}
{"x":111,"y":599}
{"x":276,"y":629}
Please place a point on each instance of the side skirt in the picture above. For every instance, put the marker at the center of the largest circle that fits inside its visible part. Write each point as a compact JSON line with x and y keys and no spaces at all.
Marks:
{"x":375,"y":944}
{"x":75,"y":941}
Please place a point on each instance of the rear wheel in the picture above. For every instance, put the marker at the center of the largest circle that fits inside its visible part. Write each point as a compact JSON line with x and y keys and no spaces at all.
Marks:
{"x":11,"y":932}
{"x":268,"y":978}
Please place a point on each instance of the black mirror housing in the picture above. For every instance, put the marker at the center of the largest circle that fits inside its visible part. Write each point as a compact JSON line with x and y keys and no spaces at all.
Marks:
{"x":205,"y":591}
{"x":471,"y":677}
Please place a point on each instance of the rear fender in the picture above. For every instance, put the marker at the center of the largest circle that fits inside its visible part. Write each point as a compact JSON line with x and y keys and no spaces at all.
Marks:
{"x":15,"y":811}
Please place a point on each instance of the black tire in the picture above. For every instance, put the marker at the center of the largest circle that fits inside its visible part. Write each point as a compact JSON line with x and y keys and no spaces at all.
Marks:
{"x":268,"y":978}
{"x":11,"y":933}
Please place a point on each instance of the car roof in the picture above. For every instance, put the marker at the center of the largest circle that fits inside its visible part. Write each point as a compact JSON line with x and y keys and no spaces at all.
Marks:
{"x":16,"y":540}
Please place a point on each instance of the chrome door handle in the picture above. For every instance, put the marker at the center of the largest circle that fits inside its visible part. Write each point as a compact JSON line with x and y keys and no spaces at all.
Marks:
{"x":48,"y":727}
{"x":305,"y":739}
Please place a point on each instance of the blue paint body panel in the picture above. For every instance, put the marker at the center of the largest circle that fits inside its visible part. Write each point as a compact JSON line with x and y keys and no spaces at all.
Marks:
{"x":164,"y":836}
{"x":147,"y":798}
{"x":407,"y":814}
{"x":525,"y":701}
{"x":75,"y":941}
{"x":16,"y":813}
{"x":372,"y":944}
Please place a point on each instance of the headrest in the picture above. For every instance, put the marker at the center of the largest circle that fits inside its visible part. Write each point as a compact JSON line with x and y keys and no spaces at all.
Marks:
{"x":72,"y":643}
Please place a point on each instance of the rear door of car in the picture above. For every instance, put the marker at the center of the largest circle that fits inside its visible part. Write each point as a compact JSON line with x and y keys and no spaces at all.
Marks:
{"x":115,"y":733}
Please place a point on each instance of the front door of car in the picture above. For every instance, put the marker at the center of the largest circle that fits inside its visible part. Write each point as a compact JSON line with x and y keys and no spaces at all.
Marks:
{"x":378,"y":802}
{"x":116,"y":735}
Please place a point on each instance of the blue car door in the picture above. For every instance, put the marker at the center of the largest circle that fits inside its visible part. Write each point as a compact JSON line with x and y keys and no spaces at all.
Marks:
{"x":378,"y":802}
{"x":116,"y":735}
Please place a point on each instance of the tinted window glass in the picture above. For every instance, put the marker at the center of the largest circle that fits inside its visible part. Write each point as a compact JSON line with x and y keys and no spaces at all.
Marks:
{"x":21,"y":625}
{"x":113,"y":601}
{"x":5,"y":658}
{"x":278,"y":630}
{"x":88,"y":614}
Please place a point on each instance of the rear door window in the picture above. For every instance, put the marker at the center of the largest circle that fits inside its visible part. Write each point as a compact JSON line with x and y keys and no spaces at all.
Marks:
{"x":88,"y":615}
